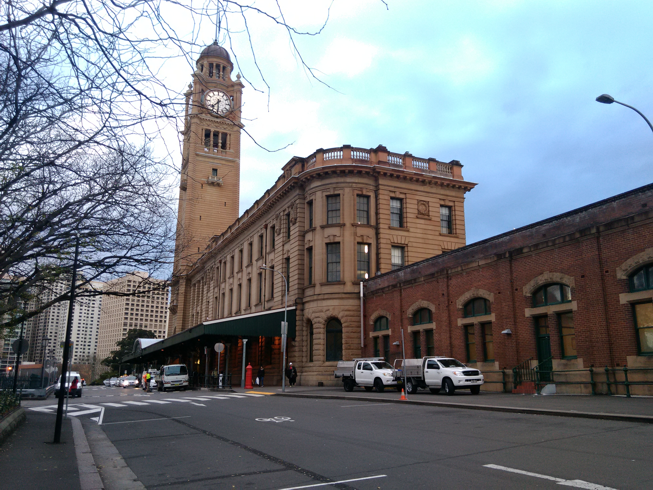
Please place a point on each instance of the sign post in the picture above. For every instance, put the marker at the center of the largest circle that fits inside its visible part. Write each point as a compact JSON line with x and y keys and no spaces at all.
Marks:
{"x":219,"y":347}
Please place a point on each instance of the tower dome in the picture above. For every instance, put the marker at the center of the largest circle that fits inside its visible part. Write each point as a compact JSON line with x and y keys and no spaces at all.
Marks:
{"x":215,"y":50}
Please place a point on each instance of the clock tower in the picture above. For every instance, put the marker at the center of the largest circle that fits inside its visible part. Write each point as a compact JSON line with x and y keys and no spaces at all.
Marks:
{"x":209,"y":190}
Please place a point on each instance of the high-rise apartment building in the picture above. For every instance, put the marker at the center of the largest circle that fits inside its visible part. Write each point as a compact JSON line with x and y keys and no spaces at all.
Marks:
{"x":142,"y":304}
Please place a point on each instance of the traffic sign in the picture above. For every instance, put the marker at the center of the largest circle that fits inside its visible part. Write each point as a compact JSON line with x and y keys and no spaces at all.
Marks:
{"x":219,"y":347}
{"x":20,"y":346}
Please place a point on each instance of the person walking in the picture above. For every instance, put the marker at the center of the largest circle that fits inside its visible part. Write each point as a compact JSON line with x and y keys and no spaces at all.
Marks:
{"x":291,"y":374}
{"x":148,"y":378}
{"x":261,"y":376}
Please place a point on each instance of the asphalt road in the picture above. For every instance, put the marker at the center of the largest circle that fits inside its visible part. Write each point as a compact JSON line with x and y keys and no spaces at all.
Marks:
{"x":203,"y":440}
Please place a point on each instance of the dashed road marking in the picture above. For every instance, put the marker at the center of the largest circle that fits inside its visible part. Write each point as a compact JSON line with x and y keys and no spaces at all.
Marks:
{"x":114,"y":404}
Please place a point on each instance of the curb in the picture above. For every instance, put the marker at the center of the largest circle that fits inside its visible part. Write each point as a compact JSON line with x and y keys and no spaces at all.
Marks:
{"x":11,"y":423}
{"x":89,"y":477}
{"x":646,"y":419}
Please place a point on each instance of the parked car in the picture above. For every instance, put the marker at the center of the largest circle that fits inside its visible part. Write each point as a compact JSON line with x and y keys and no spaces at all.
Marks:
{"x":113,"y":381}
{"x":107,"y":382}
{"x":172,"y":377}
{"x":70,"y":377}
{"x":129,"y":381}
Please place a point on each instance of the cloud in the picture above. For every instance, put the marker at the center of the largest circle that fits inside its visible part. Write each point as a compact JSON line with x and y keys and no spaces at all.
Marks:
{"x":348,"y":57}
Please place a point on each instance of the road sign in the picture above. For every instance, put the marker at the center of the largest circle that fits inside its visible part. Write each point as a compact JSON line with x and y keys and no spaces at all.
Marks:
{"x":219,"y":347}
{"x":20,"y":346}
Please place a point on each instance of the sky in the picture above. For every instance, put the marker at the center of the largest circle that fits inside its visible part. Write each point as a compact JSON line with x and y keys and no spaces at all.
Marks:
{"x":506,"y":87}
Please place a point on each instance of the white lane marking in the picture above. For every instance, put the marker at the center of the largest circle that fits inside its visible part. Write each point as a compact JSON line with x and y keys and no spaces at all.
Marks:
{"x":157,"y":401}
{"x":218,"y":397}
{"x":136,"y":403}
{"x":203,"y":399}
{"x":84,"y":412}
{"x":114,"y":404}
{"x":251,"y":394}
{"x":235,"y":396}
{"x":51,"y":409}
{"x":180,"y":400}
{"x":559,"y":481}
{"x":335,"y":482}
{"x":276,"y":419}
{"x":145,"y":420}
{"x":366,"y":405}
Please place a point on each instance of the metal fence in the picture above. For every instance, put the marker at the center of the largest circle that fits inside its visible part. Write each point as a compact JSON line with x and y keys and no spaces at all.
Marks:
{"x":210,"y":382}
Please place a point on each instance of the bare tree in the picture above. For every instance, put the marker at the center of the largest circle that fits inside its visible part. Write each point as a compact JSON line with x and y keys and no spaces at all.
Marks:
{"x":81,"y":102}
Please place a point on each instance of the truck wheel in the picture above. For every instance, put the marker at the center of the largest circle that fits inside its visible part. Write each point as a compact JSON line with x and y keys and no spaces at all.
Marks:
{"x":378,"y":384}
{"x":475,"y":390}
{"x":369,"y":388}
{"x":448,"y":387}
{"x":435,"y":391}
{"x":348,"y":384}
{"x":411,"y":387}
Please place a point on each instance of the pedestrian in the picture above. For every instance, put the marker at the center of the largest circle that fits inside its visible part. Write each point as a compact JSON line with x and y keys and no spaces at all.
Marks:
{"x":261,"y":376}
{"x":148,"y":378}
{"x":73,"y":387}
{"x":291,"y":374}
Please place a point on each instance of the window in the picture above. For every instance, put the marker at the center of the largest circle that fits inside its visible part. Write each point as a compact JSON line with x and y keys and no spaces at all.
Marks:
{"x":641,"y":279}
{"x":250,"y":251}
{"x":333,"y":262}
{"x":422,"y":316}
{"x":363,"y":210}
{"x":310,"y":342}
{"x":470,"y":343}
{"x":273,"y":237}
{"x":446,"y":227}
{"x":333,"y":340}
{"x":488,"y":342}
{"x":377,"y":353}
{"x":271,"y":282}
{"x":287,"y":226}
{"x":309,"y":211}
{"x":362,"y":261}
{"x":214,"y":172}
{"x":386,"y":347}
{"x":477,"y":307}
{"x":396,"y":212}
{"x":333,"y":209}
{"x":552,"y":294}
{"x":309,"y":261}
{"x":240,"y":295}
{"x":260,"y":241}
{"x":260,"y":287}
{"x":430,"y":342}
{"x":287,"y":273}
{"x":397,"y":254}
{"x":249,"y":292}
{"x":381,"y":323}
{"x":231,"y":263}
{"x":240,"y":259}
{"x":568,"y":334}
{"x":417,"y":345}
{"x":644,"y":323}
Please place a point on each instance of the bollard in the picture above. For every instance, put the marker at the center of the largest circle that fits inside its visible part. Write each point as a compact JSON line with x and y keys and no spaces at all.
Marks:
{"x":248,"y":377}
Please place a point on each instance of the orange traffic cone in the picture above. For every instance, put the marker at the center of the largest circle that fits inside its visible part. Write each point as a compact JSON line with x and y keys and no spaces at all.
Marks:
{"x":403,"y":396}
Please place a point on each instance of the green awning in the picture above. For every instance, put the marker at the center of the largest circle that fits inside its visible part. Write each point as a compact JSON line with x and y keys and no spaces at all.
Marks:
{"x":264,"y":324}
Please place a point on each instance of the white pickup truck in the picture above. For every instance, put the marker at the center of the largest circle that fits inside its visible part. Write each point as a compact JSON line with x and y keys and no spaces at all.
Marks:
{"x":437,"y":373}
{"x":370,"y":373}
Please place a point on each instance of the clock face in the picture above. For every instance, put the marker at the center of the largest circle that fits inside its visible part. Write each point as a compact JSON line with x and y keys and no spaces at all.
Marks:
{"x":217,"y":102}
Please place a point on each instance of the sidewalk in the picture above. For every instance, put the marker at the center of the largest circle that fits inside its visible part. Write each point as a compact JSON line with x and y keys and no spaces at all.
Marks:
{"x":635,"y":409}
{"x":28,"y":459}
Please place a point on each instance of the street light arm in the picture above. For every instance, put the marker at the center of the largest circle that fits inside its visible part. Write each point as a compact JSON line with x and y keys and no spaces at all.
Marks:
{"x":638,"y":112}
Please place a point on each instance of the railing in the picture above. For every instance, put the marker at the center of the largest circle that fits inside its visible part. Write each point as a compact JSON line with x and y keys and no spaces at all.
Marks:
{"x":541,"y":374}
{"x":546,"y":377}
{"x":625,"y":382}
{"x":360,"y":154}
{"x":420,"y":164}
{"x":211,"y":382}
{"x":333,"y":155}
{"x":503,"y":378}
{"x":394,"y":159}
{"x":522,"y":372}
{"x":444,"y":168}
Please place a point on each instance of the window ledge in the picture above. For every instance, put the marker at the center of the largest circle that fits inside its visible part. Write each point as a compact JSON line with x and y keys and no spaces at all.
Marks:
{"x":476,"y":319}
{"x":333,"y":225}
{"x":309,"y":230}
{"x":398,"y":228}
{"x":450,"y":235}
{"x":551,"y":309}
{"x":636,"y":297}
{"x":364,"y":225}
{"x":421,"y":326}
{"x":381,"y":333}
{"x":337,"y":283}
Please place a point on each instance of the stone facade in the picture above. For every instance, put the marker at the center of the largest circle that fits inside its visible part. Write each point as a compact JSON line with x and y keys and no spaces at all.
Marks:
{"x":593,"y":251}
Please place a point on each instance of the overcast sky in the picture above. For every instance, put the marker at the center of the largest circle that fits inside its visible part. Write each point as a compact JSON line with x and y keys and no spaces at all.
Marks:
{"x":507,"y":88}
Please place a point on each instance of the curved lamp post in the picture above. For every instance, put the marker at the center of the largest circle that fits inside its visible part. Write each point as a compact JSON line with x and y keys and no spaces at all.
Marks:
{"x":284,"y":328}
{"x":608,"y":99}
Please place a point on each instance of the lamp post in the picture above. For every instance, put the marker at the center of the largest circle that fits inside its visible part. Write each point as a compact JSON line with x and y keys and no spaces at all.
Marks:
{"x":44,"y":342}
{"x":608,"y":99}
{"x":284,"y":328}
{"x":403,"y":362}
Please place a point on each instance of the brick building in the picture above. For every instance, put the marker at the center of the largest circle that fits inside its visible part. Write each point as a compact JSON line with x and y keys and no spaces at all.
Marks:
{"x":569,"y":293}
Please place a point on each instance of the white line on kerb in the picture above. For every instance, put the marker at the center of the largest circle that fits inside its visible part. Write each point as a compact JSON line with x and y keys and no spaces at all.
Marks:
{"x":335,"y":482}
{"x":559,"y":481}
{"x":145,"y":420}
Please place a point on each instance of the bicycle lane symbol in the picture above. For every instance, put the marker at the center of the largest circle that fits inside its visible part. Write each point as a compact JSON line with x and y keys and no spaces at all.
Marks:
{"x":275,"y":419}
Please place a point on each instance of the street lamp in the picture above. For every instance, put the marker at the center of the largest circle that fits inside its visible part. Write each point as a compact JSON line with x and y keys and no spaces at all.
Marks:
{"x":284,"y":328}
{"x":403,"y":351}
{"x":608,"y":99}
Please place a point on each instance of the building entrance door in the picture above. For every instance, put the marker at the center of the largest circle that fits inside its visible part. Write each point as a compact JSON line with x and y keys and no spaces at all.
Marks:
{"x":543,"y":348}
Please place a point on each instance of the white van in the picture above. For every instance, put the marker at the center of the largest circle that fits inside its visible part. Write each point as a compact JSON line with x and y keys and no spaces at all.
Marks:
{"x":69,"y":380}
{"x":172,"y":377}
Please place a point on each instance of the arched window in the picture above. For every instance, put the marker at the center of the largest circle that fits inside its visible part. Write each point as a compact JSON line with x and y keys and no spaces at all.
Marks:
{"x":642,"y":279}
{"x":422,"y":316}
{"x":381,"y":323}
{"x":477,"y":307}
{"x":552,"y":294}
{"x":333,"y":340}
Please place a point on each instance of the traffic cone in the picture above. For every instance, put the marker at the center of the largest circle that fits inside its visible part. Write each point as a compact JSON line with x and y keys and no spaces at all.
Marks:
{"x":403,"y":396}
